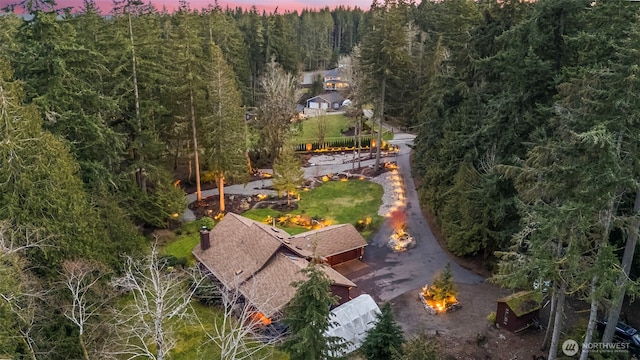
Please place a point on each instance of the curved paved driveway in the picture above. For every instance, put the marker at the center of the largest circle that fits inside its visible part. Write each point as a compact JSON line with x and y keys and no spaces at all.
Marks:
{"x":390,"y":274}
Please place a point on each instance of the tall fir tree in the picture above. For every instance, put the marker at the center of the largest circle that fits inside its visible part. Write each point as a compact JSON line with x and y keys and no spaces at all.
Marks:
{"x":41,"y":188}
{"x":308,"y":316}
{"x":224,"y":144}
{"x":384,"y":55}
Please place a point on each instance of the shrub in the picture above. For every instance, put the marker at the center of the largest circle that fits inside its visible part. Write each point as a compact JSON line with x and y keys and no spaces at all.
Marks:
{"x":491,"y":318}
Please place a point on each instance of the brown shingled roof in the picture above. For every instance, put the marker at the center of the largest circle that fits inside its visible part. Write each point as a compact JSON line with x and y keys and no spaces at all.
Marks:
{"x":239,"y":248}
{"x":270,"y":289}
{"x":330,"y":240}
{"x":250,"y":254}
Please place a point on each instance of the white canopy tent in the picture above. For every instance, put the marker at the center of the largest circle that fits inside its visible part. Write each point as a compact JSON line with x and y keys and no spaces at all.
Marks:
{"x":352,"y":321}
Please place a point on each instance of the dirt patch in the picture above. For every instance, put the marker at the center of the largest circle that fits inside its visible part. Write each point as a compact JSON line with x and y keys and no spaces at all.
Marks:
{"x":466,"y":333}
{"x":210,"y":205}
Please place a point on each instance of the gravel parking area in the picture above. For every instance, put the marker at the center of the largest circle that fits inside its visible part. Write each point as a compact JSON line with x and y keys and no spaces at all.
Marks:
{"x":466,"y":333}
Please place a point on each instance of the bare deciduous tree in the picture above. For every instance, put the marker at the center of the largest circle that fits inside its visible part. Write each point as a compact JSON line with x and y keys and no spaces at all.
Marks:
{"x":81,"y":278}
{"x":238,"y":331}
{"x":277,"y":106}
{"x":322,"y":125}
{"x":20,"y":294}
{"x":160,"y":294}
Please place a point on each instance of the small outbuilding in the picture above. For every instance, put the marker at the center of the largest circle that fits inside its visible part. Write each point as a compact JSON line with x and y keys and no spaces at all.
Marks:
{"x":518,"y":311}
{"x":352,"y":320}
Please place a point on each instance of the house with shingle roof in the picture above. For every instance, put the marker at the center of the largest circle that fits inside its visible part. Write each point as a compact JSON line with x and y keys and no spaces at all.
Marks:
{"x":261,"y":261}
{"x":335,"y":79}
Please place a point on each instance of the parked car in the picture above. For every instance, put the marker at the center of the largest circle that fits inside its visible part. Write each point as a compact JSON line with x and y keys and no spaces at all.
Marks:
{"x":624,"y":334}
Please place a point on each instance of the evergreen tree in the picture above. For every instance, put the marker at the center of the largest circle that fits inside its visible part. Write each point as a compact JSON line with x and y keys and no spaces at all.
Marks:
{"x":225,"y":32}
{"x":443,"y":286}
{"x":418,"y":348}
{"x":140,"y":77}
{"x":61,"y":82}
{"x":41,"y":188}
{"x":281,"y":41}
{"x":224,"y":143}
{"x":384,"y":54}
{"x":384,"y":339}
{"x":252,"y":28}
{"x":621,"y":120}
{"x":288,"y":176}
{"x":189,"y":88}
{"x":308,"y":317}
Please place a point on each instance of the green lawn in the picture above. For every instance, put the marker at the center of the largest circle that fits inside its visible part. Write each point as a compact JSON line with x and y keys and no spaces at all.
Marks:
{"x":188,"y":235}
{"x":338,"y":202}
{"x":193,"y":342}
{"x":335,"y":125}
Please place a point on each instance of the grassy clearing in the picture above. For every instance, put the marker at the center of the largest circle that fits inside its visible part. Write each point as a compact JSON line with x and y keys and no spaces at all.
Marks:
{"x":335,"y":125}
{"x":188,"y":235}
{"x":193,"y":342}
{"x":338,"y":202}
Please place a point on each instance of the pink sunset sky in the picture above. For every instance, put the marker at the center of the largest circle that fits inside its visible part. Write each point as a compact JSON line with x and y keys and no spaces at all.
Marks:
{"x":266,"y":5}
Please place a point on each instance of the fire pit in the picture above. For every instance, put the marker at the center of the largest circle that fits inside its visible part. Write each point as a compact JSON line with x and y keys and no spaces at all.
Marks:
{"x":400,"y":241}
{"x":434,"y":307}
{"x":440,"y":296}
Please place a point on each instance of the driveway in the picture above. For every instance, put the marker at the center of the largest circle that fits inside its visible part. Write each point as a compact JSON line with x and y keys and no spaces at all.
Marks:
{"x":389,"y":274}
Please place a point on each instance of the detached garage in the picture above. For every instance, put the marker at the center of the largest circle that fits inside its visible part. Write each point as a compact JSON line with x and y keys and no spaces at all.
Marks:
{"x":330,"y":101}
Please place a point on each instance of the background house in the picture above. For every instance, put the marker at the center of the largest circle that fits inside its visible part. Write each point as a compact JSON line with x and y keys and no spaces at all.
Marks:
{"x":335,"y":79}
{"x":262,"y":261}
{"x":329,"y":101}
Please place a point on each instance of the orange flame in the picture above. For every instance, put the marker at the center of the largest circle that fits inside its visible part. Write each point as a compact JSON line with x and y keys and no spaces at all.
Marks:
{"x":398,"y":219}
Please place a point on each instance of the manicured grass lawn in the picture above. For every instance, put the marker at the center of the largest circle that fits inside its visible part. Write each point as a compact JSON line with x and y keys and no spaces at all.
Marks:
{"x":338,"y":202}
{"x":335,"y":125}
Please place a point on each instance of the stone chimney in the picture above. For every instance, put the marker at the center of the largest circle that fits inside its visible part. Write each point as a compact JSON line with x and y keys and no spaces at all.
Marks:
{"x":205,"y":241}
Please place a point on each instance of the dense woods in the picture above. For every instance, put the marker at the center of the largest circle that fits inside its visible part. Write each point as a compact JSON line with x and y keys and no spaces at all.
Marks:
{"x":526,"y":116}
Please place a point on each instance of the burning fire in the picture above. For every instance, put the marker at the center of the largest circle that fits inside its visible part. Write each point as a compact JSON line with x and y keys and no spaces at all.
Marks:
{"x":398,"y":220}
{"x":400,"y":240}
{"x":439,"y":306}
